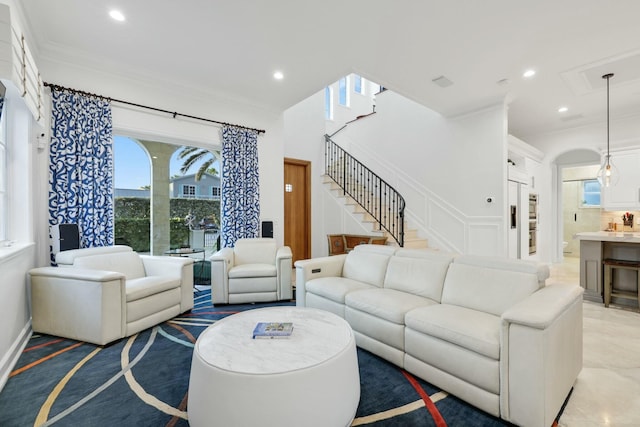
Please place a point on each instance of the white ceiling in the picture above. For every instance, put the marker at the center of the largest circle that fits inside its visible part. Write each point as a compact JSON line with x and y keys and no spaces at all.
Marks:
{"x":231,"y":48}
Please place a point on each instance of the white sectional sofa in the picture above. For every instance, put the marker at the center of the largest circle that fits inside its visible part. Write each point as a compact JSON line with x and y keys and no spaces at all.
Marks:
{"x":485,"y":329}
{"x":102,"y":294}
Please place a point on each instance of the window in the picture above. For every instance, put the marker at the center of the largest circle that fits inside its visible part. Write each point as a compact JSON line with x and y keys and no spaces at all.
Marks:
{"x":358,"y":84}
{"x":343,"y":91}
{"x":215,"y":192}
{"x":189,"y":191}
{"x":328,"y":103}
{"x":590,"y":193}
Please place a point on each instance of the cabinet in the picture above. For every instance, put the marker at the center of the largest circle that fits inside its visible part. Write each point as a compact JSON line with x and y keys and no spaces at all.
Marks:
{"x":591,"y":269}
{"x":625,"y":195}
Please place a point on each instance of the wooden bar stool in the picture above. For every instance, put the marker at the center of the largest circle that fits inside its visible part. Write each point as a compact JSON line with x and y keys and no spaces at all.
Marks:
{"x":609,"y":266}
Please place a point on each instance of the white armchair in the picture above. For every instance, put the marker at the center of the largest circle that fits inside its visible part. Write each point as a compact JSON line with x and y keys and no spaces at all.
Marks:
{"x":255,"y":270}
{"x":104,"y":294}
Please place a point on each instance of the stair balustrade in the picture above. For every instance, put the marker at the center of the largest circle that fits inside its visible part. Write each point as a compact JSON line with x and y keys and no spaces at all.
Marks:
{"x":372,"y":193}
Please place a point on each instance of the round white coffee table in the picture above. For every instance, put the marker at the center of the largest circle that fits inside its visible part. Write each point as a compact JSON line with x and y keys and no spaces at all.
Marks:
{"x":310,"y":378}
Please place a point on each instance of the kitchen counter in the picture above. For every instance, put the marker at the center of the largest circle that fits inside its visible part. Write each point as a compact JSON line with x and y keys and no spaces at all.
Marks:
{"x":609,"y":236}
{"x":598,"y":246}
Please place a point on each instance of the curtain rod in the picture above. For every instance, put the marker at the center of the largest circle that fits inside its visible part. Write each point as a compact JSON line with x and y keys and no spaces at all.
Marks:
{"x":160,"y":110}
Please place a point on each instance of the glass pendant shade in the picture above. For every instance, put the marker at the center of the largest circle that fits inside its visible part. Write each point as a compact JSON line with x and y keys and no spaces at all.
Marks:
{"x":608,"y":173}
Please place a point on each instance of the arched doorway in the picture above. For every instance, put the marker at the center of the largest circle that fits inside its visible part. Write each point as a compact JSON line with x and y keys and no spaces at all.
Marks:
{"x":576,"y":211}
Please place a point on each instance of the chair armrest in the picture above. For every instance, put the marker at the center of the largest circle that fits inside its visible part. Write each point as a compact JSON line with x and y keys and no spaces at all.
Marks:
{"x":221,"y":263}
{"x":309,"y":269}
{"x":85,"y":274}
{"x":178,"y":267}
{"x":80,"y":304}
{"x":541,"y":354}
{"x":165,"y":265}
{"x":283,"y":272}
{"x":283,"y":252}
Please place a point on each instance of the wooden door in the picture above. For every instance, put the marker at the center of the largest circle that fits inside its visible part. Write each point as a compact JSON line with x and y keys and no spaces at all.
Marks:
{"x":297,"y":207}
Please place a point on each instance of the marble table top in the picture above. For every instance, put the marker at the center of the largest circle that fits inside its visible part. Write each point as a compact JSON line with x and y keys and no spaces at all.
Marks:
{"x":317,"y":336}
{"x":609,"y":236}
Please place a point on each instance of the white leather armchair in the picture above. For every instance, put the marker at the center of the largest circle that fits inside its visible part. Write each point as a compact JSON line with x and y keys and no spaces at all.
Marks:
{"x":104,"y":294}
{"x":255,"y":270}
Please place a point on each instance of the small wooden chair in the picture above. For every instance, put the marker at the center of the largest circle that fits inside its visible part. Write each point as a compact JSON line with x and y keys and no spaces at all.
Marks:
{"x":609,"y":265}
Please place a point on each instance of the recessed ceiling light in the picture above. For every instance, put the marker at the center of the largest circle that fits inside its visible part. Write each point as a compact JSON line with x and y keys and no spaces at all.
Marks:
{"x":563,"y":109}
{"x":278,"y":75}
{"x":528,"y":74}
{"x":117,"y":15}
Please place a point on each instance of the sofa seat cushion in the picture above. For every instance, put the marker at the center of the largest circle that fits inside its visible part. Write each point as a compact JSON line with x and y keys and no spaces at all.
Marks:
{"x":147,"y":286}
{"x":335,"y":288}
{"x":252,"y":270}
{"x":467,"y":328}
{"x":388,"y":304}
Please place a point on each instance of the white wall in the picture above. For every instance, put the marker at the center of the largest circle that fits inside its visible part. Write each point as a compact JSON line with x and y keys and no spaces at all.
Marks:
{"x":18,"y":258}
{"x":445,"y":168}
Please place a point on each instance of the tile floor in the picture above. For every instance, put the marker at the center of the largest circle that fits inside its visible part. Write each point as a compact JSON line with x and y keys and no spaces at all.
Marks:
{"x":607,"y":391}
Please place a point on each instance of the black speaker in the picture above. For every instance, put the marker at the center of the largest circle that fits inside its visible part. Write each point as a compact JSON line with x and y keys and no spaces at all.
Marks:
{"x":69,"y":236}
{"x":267,"y":228}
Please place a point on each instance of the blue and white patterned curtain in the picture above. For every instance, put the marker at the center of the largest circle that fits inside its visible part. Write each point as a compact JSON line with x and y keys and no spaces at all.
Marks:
{"x":240,"y":191}
{"x":81,"y":166}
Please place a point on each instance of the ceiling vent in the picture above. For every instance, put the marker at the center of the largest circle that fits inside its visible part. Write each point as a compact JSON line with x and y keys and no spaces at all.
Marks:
{"x":588,"y":78}
{"x":442,"y":81}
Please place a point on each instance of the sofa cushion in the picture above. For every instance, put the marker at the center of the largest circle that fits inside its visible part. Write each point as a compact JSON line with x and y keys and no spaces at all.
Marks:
{"x":418,"y":276}
{"x":367,"y":267}
{"x":252,"y":270}
{"x":387,"y":304}
{"x":66,"y":258}
{"x":486,"y":289}
{"x":334,"y":288}
{"x":255,"y":251}
{"x":127,"y":263}
{"x":523,"y":266}
{"x":146,"y":286}
{"x":377,"y":249}
{"x":470,"y":329}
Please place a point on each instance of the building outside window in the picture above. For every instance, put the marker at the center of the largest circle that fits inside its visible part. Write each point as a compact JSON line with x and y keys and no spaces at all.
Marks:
{"x":343,"y":91}
{"x":188,"y":191}
{"x":215,"y":192}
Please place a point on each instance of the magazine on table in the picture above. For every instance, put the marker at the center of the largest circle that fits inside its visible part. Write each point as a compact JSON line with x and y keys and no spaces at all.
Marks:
{"x":273,"y":330}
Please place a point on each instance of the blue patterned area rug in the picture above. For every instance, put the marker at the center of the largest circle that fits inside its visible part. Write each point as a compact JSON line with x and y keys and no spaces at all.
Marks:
{"x":143,"y":381}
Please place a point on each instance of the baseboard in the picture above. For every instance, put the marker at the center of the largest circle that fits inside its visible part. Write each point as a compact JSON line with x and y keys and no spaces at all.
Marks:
{"x":10,"y":359}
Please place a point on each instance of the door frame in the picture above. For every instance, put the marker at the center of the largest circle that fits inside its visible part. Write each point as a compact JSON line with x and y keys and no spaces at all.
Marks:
{"x":307,"y":202}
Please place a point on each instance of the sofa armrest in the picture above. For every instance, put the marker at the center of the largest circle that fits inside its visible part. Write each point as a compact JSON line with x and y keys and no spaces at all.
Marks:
{"x":221,"y":263}
{"x":81,"y":304}
{"x":283,"y":271}
{"x":178,"y":267}
{"x":309,"y":269}
{"x":541,"y":354}
{"x":543,"y":307}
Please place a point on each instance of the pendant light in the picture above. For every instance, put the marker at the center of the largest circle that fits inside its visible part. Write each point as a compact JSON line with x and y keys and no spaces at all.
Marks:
{"x":608,"y":173}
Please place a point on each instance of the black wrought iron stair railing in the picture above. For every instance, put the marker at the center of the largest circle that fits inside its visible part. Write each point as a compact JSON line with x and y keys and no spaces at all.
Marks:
{"x":371,"y":192}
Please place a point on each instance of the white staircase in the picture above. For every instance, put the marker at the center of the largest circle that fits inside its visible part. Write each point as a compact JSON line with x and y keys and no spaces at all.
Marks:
{"x":411,"y":238}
